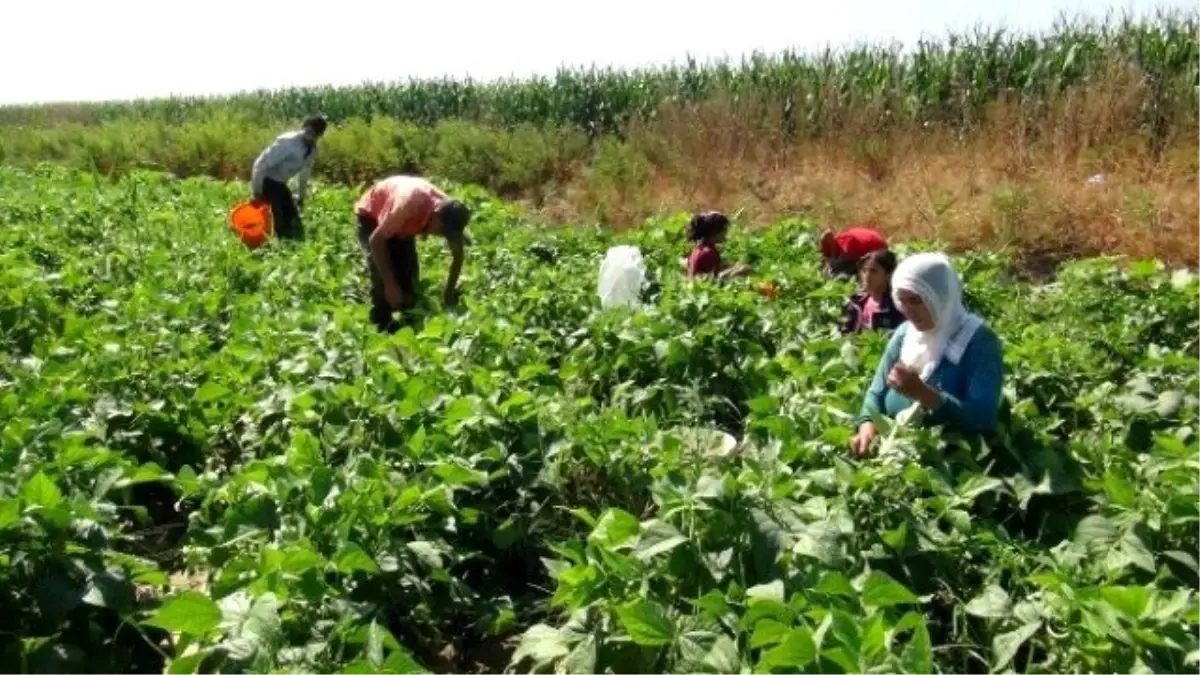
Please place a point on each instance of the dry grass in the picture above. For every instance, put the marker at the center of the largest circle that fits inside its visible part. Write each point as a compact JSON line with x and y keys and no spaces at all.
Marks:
{"x":1015,"y":181}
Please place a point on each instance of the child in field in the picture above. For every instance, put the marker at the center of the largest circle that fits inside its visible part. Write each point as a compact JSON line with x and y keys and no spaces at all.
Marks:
{"x":872,"y":307}
{"x":841,"y":252}
{"x":706,"y":231}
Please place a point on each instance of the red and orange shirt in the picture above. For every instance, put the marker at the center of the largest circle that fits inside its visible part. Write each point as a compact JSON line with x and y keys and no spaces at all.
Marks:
{"x":401,"y":205}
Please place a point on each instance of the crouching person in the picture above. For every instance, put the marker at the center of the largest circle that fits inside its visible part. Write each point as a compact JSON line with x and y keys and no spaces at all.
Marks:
{"x":391,"y":215}
{"x":291,"y":154}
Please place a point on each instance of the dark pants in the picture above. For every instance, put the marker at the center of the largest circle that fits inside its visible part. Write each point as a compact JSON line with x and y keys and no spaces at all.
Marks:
{"x":406,"y":270}
{"x":284,"y":213}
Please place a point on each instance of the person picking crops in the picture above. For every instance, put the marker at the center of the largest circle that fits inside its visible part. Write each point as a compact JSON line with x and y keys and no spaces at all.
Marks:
{"x":391,"y":215}
{"x":943,"y":366}
{"x":841,"y":252}
{"x":872,"y":307}
{"x":291,"y":154}
{"x":707,"y":231}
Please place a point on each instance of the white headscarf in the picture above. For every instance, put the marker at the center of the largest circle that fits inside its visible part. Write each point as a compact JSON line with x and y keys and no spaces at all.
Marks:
{"x":933,"y":278}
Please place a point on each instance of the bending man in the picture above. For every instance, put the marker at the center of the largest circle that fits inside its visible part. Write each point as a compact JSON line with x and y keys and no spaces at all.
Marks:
{"x":391,"y":215}
{"x":292,"y":153}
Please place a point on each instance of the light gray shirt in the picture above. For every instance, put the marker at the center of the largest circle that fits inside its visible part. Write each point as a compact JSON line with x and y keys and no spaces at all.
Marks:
{"x":282,"y":160}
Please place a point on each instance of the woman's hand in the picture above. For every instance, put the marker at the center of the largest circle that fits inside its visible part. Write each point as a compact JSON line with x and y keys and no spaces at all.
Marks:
{"x":907,"y":382}
{"x":860,"y":446}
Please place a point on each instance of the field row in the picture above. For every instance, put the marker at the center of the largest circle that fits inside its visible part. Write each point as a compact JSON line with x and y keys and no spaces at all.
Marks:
{"x":210,"y":461}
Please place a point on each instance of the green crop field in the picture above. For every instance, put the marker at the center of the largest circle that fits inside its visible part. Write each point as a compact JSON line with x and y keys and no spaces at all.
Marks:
{"x":211,"y":462}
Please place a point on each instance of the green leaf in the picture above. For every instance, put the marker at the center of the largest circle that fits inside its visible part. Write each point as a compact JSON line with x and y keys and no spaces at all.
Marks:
{"x":40,"y":490}
{"x":1094,"y":533}
{"x":616,"y":527}
{"x":1184,"y":558}
{"x":657,"y":538}
{"x":796,"y":651}
{"x":298,"y":560}
{"x":992,"y":603}
{"x":506,"y":534}
{"x":358,"y":667}
{"x":187,"y":612}
{"x":542,"y":644}
{"x":723,"y":656}
{"x":835,"y":583}
{"x":820,"y":540}
{"x":769,"y":591}
{"x":211,"y":391}
{"x":401,"y":662}
{"x":453,"y":474}
{"x":10,"y":512}
{"x":1005,"y":645}
{"x":646,"y":623}
{"x":252,"y":626}
{"x":881,"y":590}
{"x":108,"y":590}
{"x":582,"y":659}
{"x":917,"y":656}
{"x":768,"y":632}
{"x":1131,"y":601}
{"x":426,"y":552}
{"x":186,"y":665}
{"x":352,"y":558}
{"x":978,"y":484}
{"x":1135,"y":550}
{"x":1119,"y":490}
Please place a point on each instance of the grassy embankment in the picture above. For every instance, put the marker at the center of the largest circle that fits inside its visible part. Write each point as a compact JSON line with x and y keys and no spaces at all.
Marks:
{"x":986,"y":140}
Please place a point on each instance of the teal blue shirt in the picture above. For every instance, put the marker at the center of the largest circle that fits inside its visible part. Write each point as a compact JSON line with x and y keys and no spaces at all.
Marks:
{"x":970,"y":389}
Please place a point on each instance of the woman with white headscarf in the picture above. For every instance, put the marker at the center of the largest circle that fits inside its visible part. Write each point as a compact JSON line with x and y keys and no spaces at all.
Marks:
{"x":943,"y":363}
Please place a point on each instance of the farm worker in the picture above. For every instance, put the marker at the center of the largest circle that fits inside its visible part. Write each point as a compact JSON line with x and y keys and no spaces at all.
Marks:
{"x":872,"y":307}
{"x":944,"y":364}
{"x":706,"y":231}
{"x":841,"y":252}
{"x":391,"y":215}
{"x":291,"y":153}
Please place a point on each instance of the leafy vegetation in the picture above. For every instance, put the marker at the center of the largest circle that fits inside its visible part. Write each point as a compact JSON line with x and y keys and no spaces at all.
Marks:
{"x":210,"y":461}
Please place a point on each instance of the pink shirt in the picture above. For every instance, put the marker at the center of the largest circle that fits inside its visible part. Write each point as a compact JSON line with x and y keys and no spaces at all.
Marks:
{"x":867,"y":317}
{"x":704,"y":260}
{"x":401,"y":205}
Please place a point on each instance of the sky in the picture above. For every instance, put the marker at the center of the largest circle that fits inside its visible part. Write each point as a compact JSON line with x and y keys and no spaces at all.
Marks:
{"x":85,"y":50}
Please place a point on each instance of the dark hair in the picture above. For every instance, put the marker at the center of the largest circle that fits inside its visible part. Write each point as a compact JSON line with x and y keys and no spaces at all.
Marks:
{"x":882,"y":257}
{"x":706,"y":224}
{"x":318,"y":123}
{"x":455,"y":216}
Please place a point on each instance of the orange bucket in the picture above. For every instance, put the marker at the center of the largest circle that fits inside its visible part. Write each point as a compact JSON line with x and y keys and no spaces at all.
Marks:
{"x":769,"y":289}
{"x":252,"y":222}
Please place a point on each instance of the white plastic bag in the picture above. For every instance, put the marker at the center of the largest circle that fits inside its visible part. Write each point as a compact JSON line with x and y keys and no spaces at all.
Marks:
{"x":622,"y":277}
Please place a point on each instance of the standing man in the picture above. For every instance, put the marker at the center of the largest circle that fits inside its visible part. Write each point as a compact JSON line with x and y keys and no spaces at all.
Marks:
{"x":841,"y":252}
{"x":391,"y":215}
{"x":292,"y":153}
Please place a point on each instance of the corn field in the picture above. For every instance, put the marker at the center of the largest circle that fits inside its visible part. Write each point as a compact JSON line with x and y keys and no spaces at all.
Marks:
{"x":951,"y":82}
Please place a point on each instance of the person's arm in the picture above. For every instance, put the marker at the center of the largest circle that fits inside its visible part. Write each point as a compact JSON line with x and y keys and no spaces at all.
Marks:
{"x":263,"y":164}
{"x":873,"y":401}
{"x":978,"y":409}
{"x":302,"y":179}
{"x":738,"y":270}
{"x":457,"y":255}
